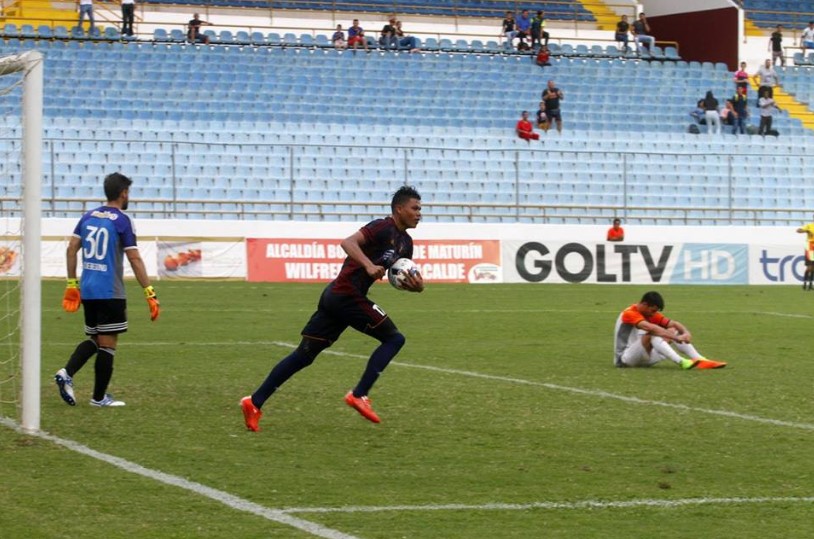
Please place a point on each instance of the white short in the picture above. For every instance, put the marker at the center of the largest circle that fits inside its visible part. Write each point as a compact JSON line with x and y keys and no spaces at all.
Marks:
{"x":635,"y":355}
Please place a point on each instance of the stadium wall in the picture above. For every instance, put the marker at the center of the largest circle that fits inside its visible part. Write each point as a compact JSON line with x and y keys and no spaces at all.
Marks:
{"x":468,"y":253}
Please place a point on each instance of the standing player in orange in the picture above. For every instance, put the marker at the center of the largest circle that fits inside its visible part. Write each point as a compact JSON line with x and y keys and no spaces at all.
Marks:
{"x":644,"y":336}
{"x":808,"y":276}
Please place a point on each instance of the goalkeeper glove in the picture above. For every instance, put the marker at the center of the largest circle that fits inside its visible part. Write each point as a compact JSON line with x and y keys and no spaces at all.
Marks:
{"x":71,"y":299}
{"x":152,"y":301}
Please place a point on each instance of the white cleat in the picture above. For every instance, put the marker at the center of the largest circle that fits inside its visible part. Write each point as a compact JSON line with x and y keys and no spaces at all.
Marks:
{"x":65,"y":385}
{"x":108,"y":400}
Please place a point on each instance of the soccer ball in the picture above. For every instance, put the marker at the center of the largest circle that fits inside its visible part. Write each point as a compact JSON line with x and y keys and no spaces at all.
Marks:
{"x":399,"y":271}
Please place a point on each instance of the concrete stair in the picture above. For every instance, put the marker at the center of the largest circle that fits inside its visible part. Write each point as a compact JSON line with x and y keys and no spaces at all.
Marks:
{"x":606,"y":18}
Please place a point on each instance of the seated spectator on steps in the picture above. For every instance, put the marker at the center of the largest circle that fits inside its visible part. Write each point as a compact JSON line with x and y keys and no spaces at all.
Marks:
{"x":356,"y":35}
{"x":194,"y":34}
{"x":729,"y":116}
{"x":404,"y":41}
{"x":338,"y":39}
{"x":543,"y":56}
{"x":538,"y":33}
{"x":807,"y":37}
{"x":622,"y":31}
{"x":523,"y":26}
{"x":525,"y":130}
{"x":641,"y":34}
{"x":388,"y":40}
{"x":508,"y":31}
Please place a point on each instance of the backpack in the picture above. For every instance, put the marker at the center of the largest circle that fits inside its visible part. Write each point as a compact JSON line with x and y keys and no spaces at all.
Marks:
{"x":772,"y":133}
{"x":751,"y":130}
{"x":693,"y":129}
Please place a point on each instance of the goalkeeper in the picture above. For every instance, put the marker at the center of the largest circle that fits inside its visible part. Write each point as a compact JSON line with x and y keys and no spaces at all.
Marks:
{"x":104,"y":236}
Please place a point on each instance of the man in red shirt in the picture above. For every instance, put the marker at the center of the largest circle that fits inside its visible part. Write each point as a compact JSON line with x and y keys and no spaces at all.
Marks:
{"x":524,"y":128}
{"x":644,"y":336}
{"x":616,"y":232}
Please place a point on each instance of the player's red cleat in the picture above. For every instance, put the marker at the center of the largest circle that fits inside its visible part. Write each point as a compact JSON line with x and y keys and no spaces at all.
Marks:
{"x":709,"y":364}
{"x":251,"y":414}
{"x":362,"y":405}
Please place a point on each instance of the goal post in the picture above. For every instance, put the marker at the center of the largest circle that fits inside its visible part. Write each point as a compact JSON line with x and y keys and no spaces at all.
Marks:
{"x":30,"y":65}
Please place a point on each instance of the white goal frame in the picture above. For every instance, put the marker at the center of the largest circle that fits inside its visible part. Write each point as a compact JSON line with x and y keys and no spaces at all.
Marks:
{"x":31,"y":65}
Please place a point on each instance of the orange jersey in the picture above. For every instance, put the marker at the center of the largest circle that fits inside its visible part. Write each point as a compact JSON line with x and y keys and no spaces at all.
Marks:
{"x":626,"y":333}
{"x":616,"y":234}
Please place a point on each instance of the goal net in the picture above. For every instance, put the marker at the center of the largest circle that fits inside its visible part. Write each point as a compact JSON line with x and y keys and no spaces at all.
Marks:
{"x":21,"y":79}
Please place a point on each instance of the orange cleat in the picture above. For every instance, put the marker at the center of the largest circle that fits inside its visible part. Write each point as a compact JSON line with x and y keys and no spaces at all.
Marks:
{"x":362,"y":405}
{"x":709,"y":364}
{"x":251,"y":414}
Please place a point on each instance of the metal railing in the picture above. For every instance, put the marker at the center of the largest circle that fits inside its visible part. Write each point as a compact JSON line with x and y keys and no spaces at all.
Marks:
{"x":317,"y":182}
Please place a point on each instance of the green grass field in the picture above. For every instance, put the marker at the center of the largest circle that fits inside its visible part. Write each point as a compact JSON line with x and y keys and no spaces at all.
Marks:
{"x":502,"y":417}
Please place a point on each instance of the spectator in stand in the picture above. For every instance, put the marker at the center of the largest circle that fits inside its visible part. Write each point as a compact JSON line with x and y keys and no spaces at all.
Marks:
{"x":776,"y":46}
{"x":622,"y":33}
{"x":698,"y":113}
{"x":741,"y":107}
{"x":807,"y":37}
{"x":766,"y":77}
{"x":388,"y":40}
{"x":523,"y":27}
{"x":86,"y":8}
{"x":552,"y":97}
{"x":194,"y":34}
{"x":711,"y":114}
{"x":641,"y":34}
{"x":767,"y":109}
{"x":128,"y":16}
{"x":338,"y":39}
{"x":404,"y":41}
{"x":616,"y":232}
{"x":538,"y":33}
{"x":508,"y":30}
{"x":543,"y":57}
{"x":524,"y":128}
{"x":741,"y":78}
{"x":542,"y":119}
{"x":356,"y":35}
{"x":729,"y":116}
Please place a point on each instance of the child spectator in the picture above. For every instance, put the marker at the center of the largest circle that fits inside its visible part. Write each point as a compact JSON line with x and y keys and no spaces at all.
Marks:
{"x":524,"y":128}
{"x":616,"y":232}
{"x":338,"y":39}
{"x":543,"y":55}
{"x":356,"y":35}
{"x":542,"y":119}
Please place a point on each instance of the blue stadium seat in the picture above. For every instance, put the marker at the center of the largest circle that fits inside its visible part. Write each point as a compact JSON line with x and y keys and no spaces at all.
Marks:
{"x":160,"y":35}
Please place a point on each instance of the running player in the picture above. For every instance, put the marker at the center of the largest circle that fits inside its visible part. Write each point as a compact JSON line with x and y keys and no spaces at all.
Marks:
{"x":104,"y":235}
{"x":644,"y":336}
{"x":808,"y":276}
{"x":344,"y":302}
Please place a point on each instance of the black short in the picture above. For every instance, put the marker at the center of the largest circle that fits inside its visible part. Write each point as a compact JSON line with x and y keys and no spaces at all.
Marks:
{"x":336,"y":312}
{"x":105,"y":316}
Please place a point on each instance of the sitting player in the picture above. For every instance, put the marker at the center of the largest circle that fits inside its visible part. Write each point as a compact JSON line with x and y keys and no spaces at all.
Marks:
{"x":644,"y":336}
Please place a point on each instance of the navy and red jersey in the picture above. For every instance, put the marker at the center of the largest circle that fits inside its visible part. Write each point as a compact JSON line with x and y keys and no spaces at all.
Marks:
{"x":384,"y":244}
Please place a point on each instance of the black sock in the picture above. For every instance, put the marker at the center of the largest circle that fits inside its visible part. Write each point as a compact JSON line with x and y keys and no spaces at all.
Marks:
{"x":378,"y":361}
{"x":285,"y":369}
{"x":104,"y":372}
{"x":84,"y":351}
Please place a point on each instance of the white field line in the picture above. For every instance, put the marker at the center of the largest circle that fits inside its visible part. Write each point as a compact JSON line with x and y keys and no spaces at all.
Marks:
{"x":585,"y":504}
{"x":580,"y":391}
{"x":230,"y":500}
{"x":518,"y":381}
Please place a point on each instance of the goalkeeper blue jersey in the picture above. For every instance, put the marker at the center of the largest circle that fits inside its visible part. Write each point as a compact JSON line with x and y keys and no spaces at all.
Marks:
{"x":105,"y":233}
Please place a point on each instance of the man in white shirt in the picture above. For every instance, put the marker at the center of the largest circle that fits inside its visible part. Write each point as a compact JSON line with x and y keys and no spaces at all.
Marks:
{"x":86,"y":8}
{"x":807,"y":37}
{"x":128,"y":15}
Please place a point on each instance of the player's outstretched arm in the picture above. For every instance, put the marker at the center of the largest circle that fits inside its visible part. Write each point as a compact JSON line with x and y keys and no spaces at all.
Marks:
{"x":143,"y":279}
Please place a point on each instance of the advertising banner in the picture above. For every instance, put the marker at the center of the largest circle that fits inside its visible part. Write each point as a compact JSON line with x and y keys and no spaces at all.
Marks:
{"x":773,"y":264}
{"x":319,"y":260}
{"x":625,"y":263}
{"x":190,"y":259}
